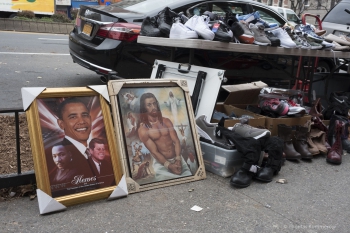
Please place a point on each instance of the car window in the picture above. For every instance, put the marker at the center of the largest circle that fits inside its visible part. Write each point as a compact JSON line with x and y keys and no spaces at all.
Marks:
{"x":291,"y":16}
{"x":338,"y":14}
{"x":269,"y":16}
{"x":280,"y":11}
{"x":145,"y":6}
{"x":220,"y":8}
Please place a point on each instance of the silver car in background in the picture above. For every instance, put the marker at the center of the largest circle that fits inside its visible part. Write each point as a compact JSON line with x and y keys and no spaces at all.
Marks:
{"x":337,"y":20}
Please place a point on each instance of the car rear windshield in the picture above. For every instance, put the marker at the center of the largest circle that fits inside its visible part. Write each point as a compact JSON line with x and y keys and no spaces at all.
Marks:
{"x":143,"y":6}
{"x":127,"y":3}
{"x":338,"y":14}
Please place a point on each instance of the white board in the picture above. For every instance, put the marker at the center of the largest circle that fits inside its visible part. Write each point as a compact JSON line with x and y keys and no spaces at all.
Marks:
{"x":211,"y":87}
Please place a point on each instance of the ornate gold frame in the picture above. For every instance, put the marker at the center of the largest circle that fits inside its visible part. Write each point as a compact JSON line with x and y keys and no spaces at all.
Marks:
{"x":40,"y":163}
{"x":114,"y":87}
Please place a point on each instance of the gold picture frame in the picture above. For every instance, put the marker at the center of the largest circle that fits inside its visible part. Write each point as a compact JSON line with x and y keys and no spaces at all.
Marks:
{"x":61,"y":170}
{"x":159,"y":147}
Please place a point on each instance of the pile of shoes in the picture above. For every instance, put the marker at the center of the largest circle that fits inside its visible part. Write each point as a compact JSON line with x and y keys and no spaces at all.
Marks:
{"x":247,"y":29}
{"x":303,"y":142}
{"x":275,"y":105}
{"x":250,"y":142}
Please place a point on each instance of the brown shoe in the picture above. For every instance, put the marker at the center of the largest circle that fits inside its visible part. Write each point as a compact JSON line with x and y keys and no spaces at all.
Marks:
{"x":335,"y":153}
{"x":300,"y":142}
{"x":285,"y":132}
{"x":318,"y":124}
{"x":312,"y":147}
{"x":316,"y":109}
{"x":318,"y":137}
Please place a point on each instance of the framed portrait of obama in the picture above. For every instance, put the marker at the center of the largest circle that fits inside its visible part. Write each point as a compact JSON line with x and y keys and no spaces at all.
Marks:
{"x":73,"y":143}
{"x":156,"y":133}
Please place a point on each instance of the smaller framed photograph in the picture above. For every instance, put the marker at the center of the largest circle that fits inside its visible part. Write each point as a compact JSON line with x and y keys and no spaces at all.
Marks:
{"x":73,"y":144}
{"x":156,"y":133}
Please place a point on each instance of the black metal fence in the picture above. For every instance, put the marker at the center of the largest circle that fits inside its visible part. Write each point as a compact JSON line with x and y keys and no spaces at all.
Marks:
{"x":19,"y":178}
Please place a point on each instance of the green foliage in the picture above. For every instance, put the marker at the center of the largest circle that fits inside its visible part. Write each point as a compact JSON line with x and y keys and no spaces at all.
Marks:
{"x":26,"y":14}
{"x":45,"y":19}
{"x":58,"y":17}
{"x":74,"y":12}
{"x":61,"y":18}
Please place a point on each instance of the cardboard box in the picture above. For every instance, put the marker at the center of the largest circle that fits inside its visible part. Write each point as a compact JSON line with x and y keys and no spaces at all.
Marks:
{"x":241,"y":95}
{"x":271,"y":123}
{"x":258,"y":120}
{"x":221,"y":161}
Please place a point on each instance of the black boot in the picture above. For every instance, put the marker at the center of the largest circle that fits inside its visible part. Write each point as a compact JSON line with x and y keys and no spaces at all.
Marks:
{"x":274,"y":147}
{"x":243,"y":177}
{"x":251,"y":150}
{"x":165,"y":20}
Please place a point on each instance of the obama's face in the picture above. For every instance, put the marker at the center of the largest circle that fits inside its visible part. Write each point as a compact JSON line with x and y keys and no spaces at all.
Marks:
{"x":76,"y":122}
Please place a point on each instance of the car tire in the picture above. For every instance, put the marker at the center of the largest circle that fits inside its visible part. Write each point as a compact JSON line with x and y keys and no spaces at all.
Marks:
{"x":323,"y":67}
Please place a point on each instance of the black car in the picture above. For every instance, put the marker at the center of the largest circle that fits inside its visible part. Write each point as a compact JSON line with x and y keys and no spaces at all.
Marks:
{"x":104,"y":39}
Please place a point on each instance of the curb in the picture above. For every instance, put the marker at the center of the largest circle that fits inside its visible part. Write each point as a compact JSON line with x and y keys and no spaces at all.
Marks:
{"x":32,"y":26}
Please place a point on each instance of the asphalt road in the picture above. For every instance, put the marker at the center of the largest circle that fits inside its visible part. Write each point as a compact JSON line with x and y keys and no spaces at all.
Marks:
{"x":37,"y":60}
{"x":314,"y":199}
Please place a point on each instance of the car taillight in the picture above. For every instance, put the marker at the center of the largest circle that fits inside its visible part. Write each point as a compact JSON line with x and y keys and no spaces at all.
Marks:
{"x":77,"y":22}
{"x":120,"y":31}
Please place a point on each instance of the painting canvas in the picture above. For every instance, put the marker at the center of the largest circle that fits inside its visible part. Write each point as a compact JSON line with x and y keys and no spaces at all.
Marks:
{"x":66,"y":142}
{"x":158,"y":135}
{"x":72,"y":141}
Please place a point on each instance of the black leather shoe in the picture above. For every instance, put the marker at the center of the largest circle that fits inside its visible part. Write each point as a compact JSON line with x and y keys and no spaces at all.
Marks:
{"x":235,"y":27}
{"x":241,"y":178}
{"x":221,"y":30}
{"x":274,"y":40}
{"x":149,"y":27}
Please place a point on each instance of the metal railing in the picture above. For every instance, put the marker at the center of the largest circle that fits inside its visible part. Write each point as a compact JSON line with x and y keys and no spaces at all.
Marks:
{"x":19,"y":178}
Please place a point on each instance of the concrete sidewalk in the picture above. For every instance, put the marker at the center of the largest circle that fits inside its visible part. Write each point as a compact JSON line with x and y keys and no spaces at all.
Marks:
{"x":314,"y":199}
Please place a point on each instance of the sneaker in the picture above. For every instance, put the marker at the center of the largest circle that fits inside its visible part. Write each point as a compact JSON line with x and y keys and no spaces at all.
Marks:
{"x":149,"y":27}
{"x":211,"y":15}
{"x":247,"y":37}
{"x":285,"y":39}
{"x":294,"y":37}
{"x":274,"y":40}
{"x":330,"y":37}
{"x":303,"y":43}
{"x":338,"y":47}
{"x":248,"y":131}
{"x":320,"y":32}
{"x":259,"y":34}
{"x":310,"y":33}
{"x":183,"y":17}
{"x":268,"y":26}
{"x":347,"y":38}
{"x":234,"y":26}
{"x":180,"y":31}
{"x":274,"y":106}
{"x":327,"y":46}
{"x":294,"y":109}
{"x":312,"y":42}
{"x":336,"y":97}
{"x":249,"y":17}
{"x":165,"y":20}
{"x":209,"y":130}
{"x":200,"y":24}
{"x":221,"y":30}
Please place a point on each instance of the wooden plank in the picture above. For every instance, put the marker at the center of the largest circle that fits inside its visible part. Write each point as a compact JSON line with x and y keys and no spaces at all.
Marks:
{"x":243,"y":48}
